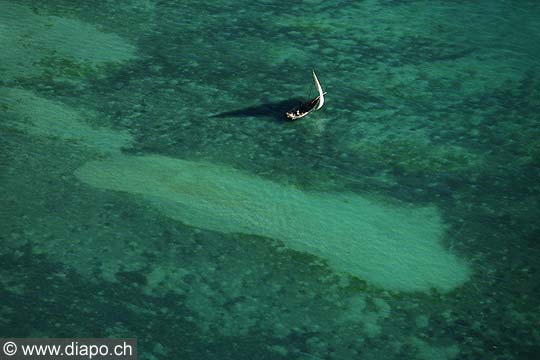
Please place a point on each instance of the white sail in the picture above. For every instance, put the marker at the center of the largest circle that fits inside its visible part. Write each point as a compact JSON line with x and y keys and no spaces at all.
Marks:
{"x":319,"y":88}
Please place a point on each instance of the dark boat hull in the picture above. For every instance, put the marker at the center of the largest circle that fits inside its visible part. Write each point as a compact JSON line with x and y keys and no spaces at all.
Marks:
{"x":302,"y":110}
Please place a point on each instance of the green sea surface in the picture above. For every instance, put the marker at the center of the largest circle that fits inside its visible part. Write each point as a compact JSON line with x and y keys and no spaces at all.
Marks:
{"x":153,"y":188}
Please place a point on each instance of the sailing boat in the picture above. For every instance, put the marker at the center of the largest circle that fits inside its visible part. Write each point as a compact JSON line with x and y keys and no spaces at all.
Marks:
{"x":305,"y":108}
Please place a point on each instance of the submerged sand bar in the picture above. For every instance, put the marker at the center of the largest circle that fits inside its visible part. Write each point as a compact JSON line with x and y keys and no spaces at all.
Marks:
{"x":396,"y":248}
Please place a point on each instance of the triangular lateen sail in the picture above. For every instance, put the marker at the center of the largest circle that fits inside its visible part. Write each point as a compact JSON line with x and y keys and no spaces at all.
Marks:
{"x":319,"y":89}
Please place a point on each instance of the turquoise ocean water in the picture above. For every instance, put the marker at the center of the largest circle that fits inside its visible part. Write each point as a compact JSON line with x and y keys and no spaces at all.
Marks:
{"x":152,"y":188}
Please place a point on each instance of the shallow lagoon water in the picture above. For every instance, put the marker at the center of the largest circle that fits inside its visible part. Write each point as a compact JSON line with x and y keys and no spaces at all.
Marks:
{"x":154,"y":190}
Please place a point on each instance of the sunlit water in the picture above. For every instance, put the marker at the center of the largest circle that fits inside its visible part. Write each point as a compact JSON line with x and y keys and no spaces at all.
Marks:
{"x":152,"y":187}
